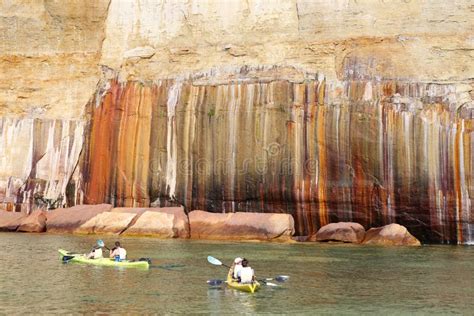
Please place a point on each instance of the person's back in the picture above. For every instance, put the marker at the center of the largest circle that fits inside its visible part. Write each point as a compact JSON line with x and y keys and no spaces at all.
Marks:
{"x":96,"y":252}
{"x":122,"y":253}
{"x":246,"y":273}
{"x":237,"y":267}
{"x":118,"y":252}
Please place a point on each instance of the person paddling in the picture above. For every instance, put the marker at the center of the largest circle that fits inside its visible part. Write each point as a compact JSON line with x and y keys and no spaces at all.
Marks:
{"x":236,"y":267}
{"x":96,"y":252}
{"x":118,"y":252}
{"x":246,"y":274}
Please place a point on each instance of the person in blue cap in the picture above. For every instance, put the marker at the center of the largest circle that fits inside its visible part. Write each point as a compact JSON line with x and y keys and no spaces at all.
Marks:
{"x":96,"y":252}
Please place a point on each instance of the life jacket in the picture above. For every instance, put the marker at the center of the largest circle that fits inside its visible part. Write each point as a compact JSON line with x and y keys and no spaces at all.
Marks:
{"x":246,"y":275}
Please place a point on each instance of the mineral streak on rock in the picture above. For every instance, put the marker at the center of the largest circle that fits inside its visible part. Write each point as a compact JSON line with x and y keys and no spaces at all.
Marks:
{"x":37,"y":160}
{"x":376,"y":152}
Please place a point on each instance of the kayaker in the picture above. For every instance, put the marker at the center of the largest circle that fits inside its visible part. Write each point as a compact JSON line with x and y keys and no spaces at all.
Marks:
{"x":246,"y":273}
{"x":236,"y":267}
{"x":118,"y":252}
{"x":96,"y":252}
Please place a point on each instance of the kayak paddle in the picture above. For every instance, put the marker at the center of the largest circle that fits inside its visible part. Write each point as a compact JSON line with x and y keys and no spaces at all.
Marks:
{"x":216,"y":262}
{"x":279,"y":278}
{"x":215,"y":282}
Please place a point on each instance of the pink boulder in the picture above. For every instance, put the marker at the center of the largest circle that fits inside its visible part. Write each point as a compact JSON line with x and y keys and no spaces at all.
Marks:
{"x":390,"y":235}
{"x":33,"y":223}
{"x":106,"y":223}
{"x":343,"y":232}
{"x":66,"y":220}
{"x":241,"y":226}
{"x":9,"y":221}
{"x":166,"y":222}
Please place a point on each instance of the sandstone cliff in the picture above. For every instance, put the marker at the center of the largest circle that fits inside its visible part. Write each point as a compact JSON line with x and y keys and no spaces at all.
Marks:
{"x":327,"y":110}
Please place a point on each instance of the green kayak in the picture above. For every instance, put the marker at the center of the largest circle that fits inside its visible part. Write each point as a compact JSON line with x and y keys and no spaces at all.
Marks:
{"x":81,"y":258}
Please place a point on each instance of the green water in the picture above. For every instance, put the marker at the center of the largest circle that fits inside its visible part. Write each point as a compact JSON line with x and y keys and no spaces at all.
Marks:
{"x":325,"y":278}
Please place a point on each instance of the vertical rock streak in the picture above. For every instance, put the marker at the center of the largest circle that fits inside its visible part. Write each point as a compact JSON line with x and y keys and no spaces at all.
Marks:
{"x":37,"y":160}
{"x":368,"y":151}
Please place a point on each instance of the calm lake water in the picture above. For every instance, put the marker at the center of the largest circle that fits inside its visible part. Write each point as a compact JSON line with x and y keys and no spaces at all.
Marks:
{"x":325,"y":278}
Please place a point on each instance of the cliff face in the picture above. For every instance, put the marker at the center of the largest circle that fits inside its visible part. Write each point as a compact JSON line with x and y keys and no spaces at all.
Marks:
{"x":282,"y":146}
{"x":327,"y":110}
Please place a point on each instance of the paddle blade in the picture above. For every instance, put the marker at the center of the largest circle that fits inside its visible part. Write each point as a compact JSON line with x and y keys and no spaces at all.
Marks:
{"x":281,"y":278}
{"x":271,"y":284}
{"x":214,"y":261}
{"x":214,"y":282}
{"x":66,"y":259}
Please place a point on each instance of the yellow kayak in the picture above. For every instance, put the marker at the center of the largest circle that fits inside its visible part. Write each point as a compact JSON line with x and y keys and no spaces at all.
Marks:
{"x":247,"y":287}
{"x":80,"y":258}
